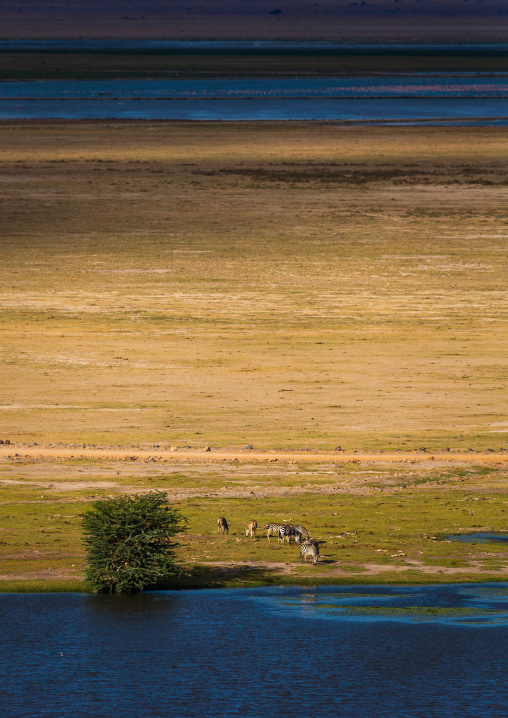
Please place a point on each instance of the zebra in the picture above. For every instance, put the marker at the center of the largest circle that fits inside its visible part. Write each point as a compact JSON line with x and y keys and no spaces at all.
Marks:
{"x":251,"y":528}
{"x":222,"y":525}
{"x":289,"y":531}
{"x":272,"y":529}
{"x":310,"y":547}
{"x":301,"y":530}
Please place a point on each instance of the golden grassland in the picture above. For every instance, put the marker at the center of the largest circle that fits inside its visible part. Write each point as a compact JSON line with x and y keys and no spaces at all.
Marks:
{"x":291,"y":286}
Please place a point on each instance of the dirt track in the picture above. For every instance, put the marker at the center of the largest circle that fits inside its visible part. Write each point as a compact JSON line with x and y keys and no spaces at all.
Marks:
{"x":203,"y":455}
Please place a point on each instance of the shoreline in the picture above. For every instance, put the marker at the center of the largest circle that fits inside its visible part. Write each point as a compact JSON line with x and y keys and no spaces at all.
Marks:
{"x":9,"y":586}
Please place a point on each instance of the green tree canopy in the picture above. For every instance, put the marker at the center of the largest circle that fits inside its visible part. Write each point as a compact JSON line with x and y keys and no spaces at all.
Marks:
{"x":129,"y":542}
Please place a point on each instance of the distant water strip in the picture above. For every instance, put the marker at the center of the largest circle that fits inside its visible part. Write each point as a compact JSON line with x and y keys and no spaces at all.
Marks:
{"x":411,"y":99}
{"x":394,"y":87}
{"x":126,"y":45}
{"x":436,"y":111}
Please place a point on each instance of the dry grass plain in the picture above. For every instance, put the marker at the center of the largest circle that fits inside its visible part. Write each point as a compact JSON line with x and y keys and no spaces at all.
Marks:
{"x":289,"y":286}
{"x":285,"y":286}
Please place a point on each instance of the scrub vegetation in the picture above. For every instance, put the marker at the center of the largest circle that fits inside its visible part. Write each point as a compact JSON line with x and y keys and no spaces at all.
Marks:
{"x":130,"y":542}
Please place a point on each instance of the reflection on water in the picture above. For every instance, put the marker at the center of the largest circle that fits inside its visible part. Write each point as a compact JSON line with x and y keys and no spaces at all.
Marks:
{"x":389,"y":651}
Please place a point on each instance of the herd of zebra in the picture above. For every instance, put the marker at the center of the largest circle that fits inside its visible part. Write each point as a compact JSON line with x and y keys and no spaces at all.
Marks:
{"x":309,"y":547}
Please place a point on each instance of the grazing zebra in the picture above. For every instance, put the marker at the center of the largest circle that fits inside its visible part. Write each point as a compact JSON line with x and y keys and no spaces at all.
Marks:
{"x":272,"y":529}
{"x":301,"y":530}
{"x":222,"y":525}
{"x":251,"y":528}
{"x":289,"y":531}
{"x":310,"y":548}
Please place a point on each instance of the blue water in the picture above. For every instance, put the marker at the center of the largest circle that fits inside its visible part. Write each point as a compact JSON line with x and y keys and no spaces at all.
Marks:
{"x":412,"y":99}
{"x":393,"y":87}
{"x":325,"y":652}
{"x":152,"y":45}
{"x":489,"y":112}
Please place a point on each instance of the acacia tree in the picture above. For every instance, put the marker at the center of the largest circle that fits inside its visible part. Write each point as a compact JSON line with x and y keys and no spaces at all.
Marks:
{"x":129,"y":542}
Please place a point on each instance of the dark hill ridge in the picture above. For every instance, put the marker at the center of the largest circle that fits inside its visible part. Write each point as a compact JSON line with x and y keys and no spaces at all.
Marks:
{"x":466,"y":20}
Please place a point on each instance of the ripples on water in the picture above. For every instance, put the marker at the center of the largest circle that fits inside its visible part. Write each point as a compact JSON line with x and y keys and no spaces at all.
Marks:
{"x":384,"y":651}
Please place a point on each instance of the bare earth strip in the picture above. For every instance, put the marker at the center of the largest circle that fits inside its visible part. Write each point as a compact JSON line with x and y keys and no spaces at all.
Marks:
{"x":250,"y":456}
{"x":233,"y":569}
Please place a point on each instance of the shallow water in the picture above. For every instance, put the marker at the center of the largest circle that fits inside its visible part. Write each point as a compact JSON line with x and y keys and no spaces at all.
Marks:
{"x":388,"y":651}
{"x":485,"y":537}
{"x":489,"y":111}
{"x":97,"y":45}
{"x":413,"y":98}
{"x":393,"y":87}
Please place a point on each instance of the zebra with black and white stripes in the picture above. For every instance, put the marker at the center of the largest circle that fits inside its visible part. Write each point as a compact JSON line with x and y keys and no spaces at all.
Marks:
{"x":301,"y":530}
{"x":288,"y":531}
{"x":310,"y":547}
{"x":272,"y":529}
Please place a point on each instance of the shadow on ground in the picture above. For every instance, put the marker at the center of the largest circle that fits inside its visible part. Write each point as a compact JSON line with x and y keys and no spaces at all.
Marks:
{"x":221,"y":577}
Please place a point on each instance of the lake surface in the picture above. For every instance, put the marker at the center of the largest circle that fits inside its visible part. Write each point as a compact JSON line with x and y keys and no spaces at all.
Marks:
{"x":435,"y":98}
{"x":394,"y":87}
{"x":384,"y":651}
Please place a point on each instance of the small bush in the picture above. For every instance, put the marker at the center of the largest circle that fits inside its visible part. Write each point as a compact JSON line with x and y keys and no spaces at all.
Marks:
{"x":129,"y":542}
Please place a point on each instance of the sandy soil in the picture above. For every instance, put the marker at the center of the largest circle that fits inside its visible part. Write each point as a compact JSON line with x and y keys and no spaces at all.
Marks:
{"x":362,"y":569}
{"x":211,"y":456}
{"x":232,"y":568}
